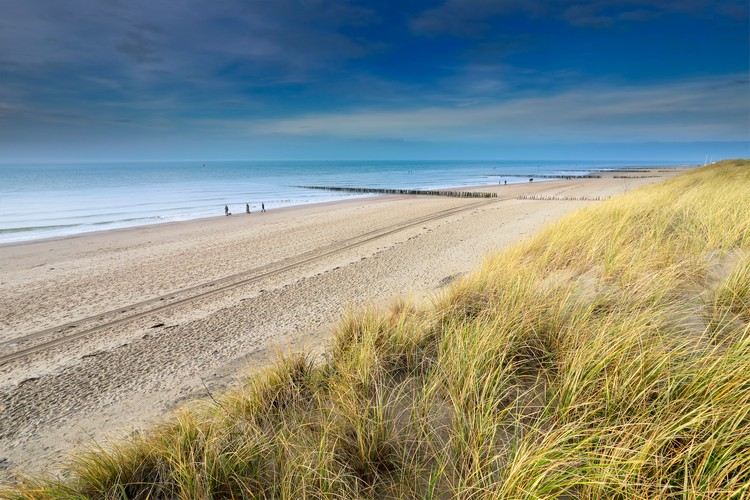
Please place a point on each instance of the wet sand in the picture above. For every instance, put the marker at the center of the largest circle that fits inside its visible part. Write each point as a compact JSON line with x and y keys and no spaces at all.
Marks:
{"x":111,"y":331}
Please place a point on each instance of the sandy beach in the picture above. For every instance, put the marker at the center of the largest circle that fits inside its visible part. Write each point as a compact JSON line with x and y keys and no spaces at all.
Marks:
{"x":104,"y":333}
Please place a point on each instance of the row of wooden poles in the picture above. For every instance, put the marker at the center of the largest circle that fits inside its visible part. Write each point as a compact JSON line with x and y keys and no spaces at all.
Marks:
{"x":549,"y":176}
{"x":561,"y":198}
{"x":635,"y":176}
{"x":426,"y":192}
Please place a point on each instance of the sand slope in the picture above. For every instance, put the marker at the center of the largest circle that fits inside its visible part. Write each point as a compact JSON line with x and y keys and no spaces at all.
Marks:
{"x":292,"y":272}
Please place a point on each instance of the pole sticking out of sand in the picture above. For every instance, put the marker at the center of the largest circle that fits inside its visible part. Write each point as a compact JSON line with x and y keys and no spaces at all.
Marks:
{"x":454,"y":194}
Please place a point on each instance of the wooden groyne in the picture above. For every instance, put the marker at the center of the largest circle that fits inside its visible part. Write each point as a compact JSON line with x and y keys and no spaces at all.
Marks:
{"x":538,"y":197}
{"x":548,"y":176}
{"x":628,"y":170}
{"x":423,"y":192}
{"x":635,"y":176}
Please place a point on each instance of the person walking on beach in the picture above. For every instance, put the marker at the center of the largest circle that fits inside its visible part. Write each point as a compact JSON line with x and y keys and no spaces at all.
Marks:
{"x":226,"y":209}
{"x":262,"y":207}
{"x":247,"y":208}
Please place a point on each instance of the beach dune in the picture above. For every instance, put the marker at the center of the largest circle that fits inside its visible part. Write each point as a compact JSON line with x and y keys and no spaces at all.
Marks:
{"x":104,"y":333}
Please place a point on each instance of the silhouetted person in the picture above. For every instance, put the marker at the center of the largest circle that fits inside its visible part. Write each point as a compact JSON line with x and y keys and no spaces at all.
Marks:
{"x":505,"y":182}
{"x":247,"y":208}
{"x":226,"y":209}
{"x":262,"y":207}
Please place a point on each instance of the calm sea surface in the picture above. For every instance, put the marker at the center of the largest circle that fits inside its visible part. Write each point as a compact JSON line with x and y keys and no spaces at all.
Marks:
{"x":46,"y":200}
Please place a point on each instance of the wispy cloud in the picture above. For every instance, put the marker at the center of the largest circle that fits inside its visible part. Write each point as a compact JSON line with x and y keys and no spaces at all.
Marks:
{"x":159,"y":41}
{"x":312,"y":72}
{"x":702,"y":109}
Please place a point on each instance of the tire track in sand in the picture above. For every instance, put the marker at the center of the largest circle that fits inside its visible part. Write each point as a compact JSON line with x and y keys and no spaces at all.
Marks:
{"x":86,"y":326}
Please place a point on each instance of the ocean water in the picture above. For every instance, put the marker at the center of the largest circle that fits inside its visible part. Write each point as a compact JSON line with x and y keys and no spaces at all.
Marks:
{"x":52,"y":200}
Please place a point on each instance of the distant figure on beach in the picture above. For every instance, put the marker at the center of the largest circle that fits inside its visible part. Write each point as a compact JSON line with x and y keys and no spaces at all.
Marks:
{"x":505,"y":182}
{"x":226,"y":210}
{"x":531,"y":179}
{"x":262,"y":207}
{"x":247,"y":208}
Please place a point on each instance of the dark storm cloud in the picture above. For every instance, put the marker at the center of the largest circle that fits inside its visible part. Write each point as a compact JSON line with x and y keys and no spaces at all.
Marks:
{"x":469,"y":17}
{"x":285,"y":32}
{"x":139,"y":48}
{"x":473,"y":18}
{"x":158,"y":61}
{"x":119,"y":75}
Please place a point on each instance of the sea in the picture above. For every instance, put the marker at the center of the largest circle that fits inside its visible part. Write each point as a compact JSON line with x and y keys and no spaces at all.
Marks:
{"x":54,"y":200}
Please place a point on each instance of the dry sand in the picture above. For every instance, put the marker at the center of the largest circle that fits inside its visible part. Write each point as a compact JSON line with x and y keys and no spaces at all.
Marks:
{"x":233,"y":291}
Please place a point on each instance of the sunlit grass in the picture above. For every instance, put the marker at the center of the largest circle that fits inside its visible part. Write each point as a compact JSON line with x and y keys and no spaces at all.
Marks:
{"x":607,"y":357}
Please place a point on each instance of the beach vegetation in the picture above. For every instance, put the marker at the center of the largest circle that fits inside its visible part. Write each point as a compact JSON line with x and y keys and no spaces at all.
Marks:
{"x":606,"y":357}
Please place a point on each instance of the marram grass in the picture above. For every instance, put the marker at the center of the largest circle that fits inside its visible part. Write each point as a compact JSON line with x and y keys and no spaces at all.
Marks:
{"x":608,"y":357}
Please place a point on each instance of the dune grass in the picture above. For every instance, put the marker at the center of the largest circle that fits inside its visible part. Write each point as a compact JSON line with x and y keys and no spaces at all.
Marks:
{"x":607,"y":357}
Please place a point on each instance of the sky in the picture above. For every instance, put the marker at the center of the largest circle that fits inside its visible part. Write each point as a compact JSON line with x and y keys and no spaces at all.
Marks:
{"x":124,"y":80}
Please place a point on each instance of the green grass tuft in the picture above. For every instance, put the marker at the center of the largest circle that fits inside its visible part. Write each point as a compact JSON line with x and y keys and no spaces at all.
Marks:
{"x":607,"y":357}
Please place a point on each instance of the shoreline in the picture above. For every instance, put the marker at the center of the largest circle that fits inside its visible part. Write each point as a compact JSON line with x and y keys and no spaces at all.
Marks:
{"x":543,"y":178}
{"x":301,"y":206}
{"x":115,"y":230}
{"x":282,"y":280}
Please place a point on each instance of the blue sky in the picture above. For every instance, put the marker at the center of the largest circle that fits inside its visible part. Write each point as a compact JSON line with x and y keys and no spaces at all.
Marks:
{"x":475,"y":79}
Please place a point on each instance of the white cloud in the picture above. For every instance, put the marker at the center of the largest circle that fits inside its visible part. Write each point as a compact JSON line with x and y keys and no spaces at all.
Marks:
{"x":699,"y":109}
